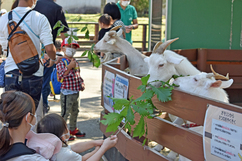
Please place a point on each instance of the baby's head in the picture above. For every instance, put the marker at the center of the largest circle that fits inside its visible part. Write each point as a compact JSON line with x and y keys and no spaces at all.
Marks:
{"x":54,"y":124}
{"x":105,"y":21}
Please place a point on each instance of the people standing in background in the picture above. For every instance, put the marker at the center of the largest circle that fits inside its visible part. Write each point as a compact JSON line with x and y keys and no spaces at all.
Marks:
{"x":129,"y":17}
{"x":112,"y":10}
{"x":105,"y":25}
{"x":38,"y":29}
{"x":54,"y":13}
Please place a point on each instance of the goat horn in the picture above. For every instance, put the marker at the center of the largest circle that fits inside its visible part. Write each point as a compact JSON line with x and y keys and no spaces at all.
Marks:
{"x":219,"y":76}
{"x":161,"y":47}
{"x":116,"y":28}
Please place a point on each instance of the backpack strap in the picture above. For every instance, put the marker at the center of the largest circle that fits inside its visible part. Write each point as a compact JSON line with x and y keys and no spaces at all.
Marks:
{"x":11,"y":23}
{"x":17,"y":149}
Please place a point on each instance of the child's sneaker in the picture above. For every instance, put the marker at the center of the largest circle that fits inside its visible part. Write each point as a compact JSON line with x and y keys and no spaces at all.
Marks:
{"x":72,"y":138}
{"x":77,"y":133}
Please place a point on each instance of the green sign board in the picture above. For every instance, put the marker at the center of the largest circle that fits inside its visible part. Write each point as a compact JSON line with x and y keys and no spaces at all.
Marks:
{"x":211,"y":24}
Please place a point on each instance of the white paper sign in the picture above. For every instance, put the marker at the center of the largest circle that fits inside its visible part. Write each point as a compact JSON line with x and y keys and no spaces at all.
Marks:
{"x":222,"y":138}
{"x":108,"y":90}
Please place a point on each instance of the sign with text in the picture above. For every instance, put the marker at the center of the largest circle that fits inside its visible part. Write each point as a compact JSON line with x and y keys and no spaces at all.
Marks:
{"x":222,"y":137}
{"x":108,"y":90}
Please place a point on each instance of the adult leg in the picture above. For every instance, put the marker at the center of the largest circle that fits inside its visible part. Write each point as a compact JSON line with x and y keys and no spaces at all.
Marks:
{"x":46,"y":86}
{"x":11,"y":82}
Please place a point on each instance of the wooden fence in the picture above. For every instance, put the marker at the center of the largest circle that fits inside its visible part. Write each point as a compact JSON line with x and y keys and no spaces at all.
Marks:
{"x":185,"y":105}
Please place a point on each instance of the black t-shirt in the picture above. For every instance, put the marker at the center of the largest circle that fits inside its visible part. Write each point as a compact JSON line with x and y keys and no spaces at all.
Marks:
{"x":53,"y":12}
{"x":102,"y":33}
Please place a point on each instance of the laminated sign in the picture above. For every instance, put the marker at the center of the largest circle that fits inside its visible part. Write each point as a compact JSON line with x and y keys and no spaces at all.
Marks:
{"x":108,"y":90}
{"x":222,"y":137}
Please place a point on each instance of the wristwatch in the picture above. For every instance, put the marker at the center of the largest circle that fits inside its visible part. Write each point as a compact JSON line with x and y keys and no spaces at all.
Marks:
{"x":54,"y":60}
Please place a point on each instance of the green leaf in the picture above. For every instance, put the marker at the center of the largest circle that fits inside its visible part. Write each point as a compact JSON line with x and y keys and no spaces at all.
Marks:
{"x":114,"y":127}
{"x":66,"y":11}
{"x":79,"y":19}
{"x":87,"y":34}
{"x":92,"y":47}
{"x":119,"y":103}
{"x":148,"y":94}
{"x":60,"y":30}
{"x":96,"y":61}
{"x":69,"y":40}
{"x":144,"y":142}
{"x":83,"y":29}
{"x":76,"y":30}
{"x":142,"y":88}
{"x":90,"y":56}
{"x":124,"y":111}
{"x":111,"y":118}
{"x":143,"y":108}
{"x":139,"y":130}
{"x":163,"y":93}
{"x":75,"y":37}
{"x":128,"y":127}
{"x":66,"y":34}
{"x":84,"y":53}
{"x":57,"y":24}
{"x":145,"y":79}
{"x":130,"y":116}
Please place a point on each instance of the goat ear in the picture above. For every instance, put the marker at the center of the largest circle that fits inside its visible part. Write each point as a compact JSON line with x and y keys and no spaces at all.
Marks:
{"x":111,"y":41}
{"x":216,"y":84}
{"x":146,"y":59}
{"x":161,"y":47}
{"x":227,"y":84}
{"x":174,"y":60}
{"x":120,"y":32}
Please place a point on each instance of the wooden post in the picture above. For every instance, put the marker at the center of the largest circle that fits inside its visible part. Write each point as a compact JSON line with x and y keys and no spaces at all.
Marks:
{"x":96,"y":32}
{"x":144,"y":38}
{"x":103,"y":2}
{"x":202,"y":59}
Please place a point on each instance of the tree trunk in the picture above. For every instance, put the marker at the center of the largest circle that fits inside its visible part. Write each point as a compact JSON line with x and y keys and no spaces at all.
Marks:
{"x":103,"y":2}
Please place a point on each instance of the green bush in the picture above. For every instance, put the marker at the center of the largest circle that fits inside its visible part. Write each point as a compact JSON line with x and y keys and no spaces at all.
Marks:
{"x":142,"y":7}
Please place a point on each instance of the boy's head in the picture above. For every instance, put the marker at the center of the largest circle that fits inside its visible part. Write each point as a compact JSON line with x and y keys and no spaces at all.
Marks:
{"x":69,"y":49}
{"x":104,"y":21}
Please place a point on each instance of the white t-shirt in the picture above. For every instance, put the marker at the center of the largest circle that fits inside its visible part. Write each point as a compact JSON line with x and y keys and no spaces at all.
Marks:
{"x":35,"y":157}
{"x":67,"y":154}
{"x":40,"y":26}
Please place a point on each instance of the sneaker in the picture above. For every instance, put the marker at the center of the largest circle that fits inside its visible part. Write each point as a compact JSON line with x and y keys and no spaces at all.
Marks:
{"x":72,"y":138}
{"x":77,"y":133}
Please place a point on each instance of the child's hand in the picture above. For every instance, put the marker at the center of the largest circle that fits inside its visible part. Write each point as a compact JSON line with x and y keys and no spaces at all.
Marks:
{"x":98,"y":142}
{"x":110,"y":142}
{"x":72,"y":63}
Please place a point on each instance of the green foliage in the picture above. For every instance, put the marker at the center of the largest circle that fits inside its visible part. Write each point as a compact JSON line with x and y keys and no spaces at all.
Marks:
{"x":141,"y":6}
{"x":142,"y":105}
{"x":90,"y":54}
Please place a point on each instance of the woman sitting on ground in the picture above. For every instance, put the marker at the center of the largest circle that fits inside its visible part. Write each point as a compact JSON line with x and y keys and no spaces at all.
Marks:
{"x":56,"y":125}
{"x":17,"y":114}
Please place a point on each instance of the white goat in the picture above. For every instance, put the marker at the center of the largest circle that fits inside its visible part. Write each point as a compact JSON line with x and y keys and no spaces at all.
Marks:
{"x":165,"y":63}
{"x":111,"y":42}
{"x":162,"y":63}
{"x":203,"y":84}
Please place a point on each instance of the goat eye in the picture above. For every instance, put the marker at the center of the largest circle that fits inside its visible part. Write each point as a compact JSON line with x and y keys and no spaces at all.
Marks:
{"x":161,"y":65}
{"x":195,"y":79}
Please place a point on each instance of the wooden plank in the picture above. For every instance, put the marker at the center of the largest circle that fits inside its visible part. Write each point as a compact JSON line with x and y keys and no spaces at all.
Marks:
{"x":133,"y":150}
{"x":190,"y":54}
{"x":221,"y":54}
{"x":185,"y":105}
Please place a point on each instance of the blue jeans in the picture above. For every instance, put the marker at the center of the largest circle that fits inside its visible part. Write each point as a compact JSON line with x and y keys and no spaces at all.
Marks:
{"x":46,"y":84}
{"x":31,"y":85}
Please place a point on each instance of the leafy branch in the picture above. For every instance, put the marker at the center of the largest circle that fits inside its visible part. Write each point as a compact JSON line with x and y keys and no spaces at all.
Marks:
{"x":142,"y":106}
{"x":90,"y":53}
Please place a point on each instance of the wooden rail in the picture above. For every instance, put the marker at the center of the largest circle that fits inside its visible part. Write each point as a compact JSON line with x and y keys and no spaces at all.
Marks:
{"x":185,"y":105}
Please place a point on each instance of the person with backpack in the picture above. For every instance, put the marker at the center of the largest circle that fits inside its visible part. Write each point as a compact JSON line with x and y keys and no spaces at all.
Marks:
{"x":68,"y":72}
{"x":25,"y":74}
{"x":17,"y":113}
